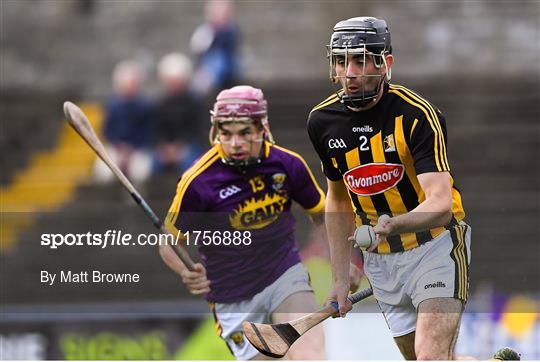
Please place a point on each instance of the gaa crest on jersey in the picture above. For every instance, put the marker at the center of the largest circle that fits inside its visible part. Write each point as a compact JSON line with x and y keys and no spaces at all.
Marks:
{"x":389,"y":143}
{"x":229,"y":191}
{"x":373,"y":178}
{"x":238,"y":338}
{"x":278,"y":180}
{"x":336,"y":143}
{"x":256,"y":213}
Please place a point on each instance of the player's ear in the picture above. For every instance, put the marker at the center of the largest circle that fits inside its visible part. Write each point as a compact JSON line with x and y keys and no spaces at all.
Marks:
{"x":389,"y":60}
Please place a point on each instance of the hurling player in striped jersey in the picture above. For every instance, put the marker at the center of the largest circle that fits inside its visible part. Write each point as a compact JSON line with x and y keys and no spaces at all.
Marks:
{"x":383,"y":151}
{"x":243,"y":187}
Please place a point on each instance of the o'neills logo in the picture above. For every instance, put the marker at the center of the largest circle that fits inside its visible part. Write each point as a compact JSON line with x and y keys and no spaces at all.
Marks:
{"x":373,"y":178}
{"x":435,"y":285}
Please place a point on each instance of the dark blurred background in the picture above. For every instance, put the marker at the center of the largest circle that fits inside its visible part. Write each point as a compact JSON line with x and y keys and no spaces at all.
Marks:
{"x":478,"y":61}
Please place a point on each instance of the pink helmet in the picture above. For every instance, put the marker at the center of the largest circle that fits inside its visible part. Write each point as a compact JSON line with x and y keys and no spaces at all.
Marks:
{"x":242,"y":103}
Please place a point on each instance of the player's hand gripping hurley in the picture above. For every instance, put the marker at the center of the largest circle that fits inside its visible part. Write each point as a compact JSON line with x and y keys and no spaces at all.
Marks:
{"x":78,"y":120}
{"x":274,"y":340}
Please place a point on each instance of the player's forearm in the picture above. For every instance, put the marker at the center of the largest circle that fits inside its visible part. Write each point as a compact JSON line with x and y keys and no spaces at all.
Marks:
{"x":318,"y":222}
{"x":433,"y":212}
{"x":339,"y":225}
{"x":170,"y":258}
{"x":317,"y":219}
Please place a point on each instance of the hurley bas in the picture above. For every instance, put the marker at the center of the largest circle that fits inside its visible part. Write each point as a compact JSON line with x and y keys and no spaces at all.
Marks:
{"x":94,"y":276}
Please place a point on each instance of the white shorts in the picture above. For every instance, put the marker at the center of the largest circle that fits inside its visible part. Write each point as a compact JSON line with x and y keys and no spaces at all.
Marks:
{"x":437,"y":269}
{"x":258,"y":309}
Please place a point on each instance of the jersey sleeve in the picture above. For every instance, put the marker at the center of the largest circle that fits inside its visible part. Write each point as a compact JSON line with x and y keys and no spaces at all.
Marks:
{"x":329,"y":169}
{"x":185,"y":208}
{"x":428,"y":143}
{"x":306,"y":190}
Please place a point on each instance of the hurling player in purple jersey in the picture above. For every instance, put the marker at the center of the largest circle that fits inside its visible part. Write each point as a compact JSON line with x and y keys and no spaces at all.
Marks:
{"x":244,"y":187}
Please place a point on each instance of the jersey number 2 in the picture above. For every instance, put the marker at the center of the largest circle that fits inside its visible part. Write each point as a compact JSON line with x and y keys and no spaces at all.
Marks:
{"x":364,"y":145}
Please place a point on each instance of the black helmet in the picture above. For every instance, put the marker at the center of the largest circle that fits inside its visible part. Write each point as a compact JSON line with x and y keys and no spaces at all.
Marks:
{"x":360,"y":35}
{"x":370,"y":32}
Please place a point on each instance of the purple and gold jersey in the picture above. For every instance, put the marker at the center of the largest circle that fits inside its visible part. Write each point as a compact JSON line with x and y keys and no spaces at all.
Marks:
{"x":214,"y":196}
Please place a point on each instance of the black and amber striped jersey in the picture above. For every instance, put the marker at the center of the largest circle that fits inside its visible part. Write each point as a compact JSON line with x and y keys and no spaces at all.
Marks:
{"x":378,"y":154}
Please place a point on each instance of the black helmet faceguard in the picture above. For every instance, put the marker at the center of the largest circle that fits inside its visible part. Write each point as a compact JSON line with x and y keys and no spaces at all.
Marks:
{"x":362,"y":36}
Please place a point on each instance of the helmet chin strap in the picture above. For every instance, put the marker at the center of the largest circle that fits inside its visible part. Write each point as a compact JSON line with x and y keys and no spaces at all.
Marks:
{"x":360,"y":102}
{"x":249,"y":161}
{"x":363,"y":100}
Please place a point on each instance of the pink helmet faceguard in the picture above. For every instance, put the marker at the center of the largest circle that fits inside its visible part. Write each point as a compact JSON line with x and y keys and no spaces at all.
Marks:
{"x":242,"y":103}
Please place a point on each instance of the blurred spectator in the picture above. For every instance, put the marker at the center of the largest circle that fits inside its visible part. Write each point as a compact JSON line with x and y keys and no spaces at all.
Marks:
{"x":127,"y":125}
{"x":178,"y":117}
{"x":215,"y":42}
